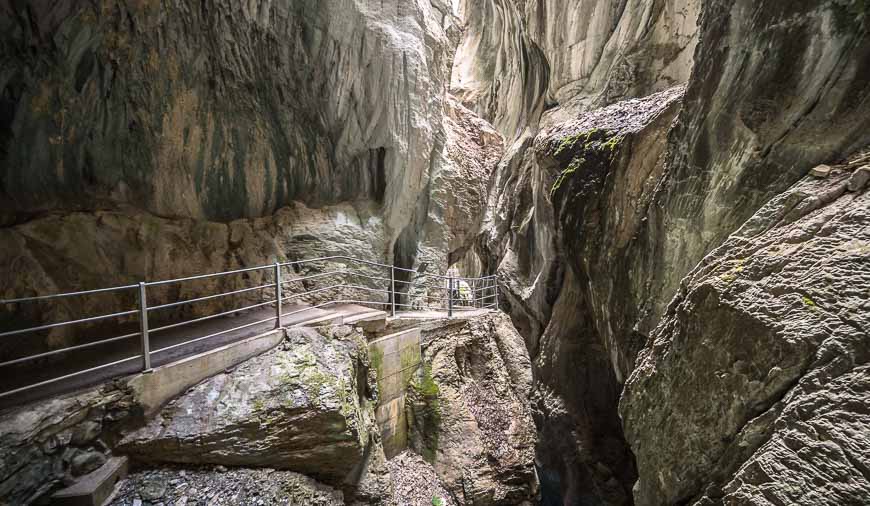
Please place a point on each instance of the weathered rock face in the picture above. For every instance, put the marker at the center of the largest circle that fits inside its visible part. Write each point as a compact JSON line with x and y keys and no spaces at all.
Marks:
{"x":456,"y":202}
{"x":303,"y":407}
{"x":45,"y":445}
{"x":777,"y":89}
{"x":105,"y":248}
{"x":515,"y":57}
{"x":758,"y":373}
{"x":222,"y":110}
{"x":469,"y":413}
{"x":591,"y":265}
{"x":590,"y":180}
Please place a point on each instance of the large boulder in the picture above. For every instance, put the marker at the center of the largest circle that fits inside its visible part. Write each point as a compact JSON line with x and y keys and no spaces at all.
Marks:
{"x":755,"y":388}
{"x":469,"y":411}
{"x":302,"y":407}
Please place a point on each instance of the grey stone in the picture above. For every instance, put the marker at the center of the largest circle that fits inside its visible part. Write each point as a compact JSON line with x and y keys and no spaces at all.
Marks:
{"x":758,"y":372}
{"x":85,"y":462}
{"x":469,"y":413}
{"x":296,"y":409}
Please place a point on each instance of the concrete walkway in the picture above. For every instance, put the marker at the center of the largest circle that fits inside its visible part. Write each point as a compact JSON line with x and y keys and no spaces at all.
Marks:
{"x":126,"y":354}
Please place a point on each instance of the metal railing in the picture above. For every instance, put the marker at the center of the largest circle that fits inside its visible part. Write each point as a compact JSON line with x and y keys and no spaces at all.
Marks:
{"x":395,"y":289}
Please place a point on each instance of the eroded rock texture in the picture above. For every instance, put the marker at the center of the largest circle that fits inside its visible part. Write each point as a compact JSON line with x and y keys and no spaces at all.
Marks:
{"x":590,"y":266}
{"x":518,"y":58}
{"x":220,"y":110}
{"x":303,"y":407}
{"x":46,"y":445}
{"x":758,"y":373}
{"x":108,"y":248}
{"x":469,"y":414}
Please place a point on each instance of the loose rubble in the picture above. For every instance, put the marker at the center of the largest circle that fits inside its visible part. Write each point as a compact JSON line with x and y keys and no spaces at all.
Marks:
{"x":416,"y":483}
{"x":212,"y":486}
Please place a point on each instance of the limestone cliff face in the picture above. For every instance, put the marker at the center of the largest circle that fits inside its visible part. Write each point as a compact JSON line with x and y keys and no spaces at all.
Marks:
{"x":593,"y":246}
{"x":518,"y":58}
{"x":758,"y":374}
{"x":220,"y":110}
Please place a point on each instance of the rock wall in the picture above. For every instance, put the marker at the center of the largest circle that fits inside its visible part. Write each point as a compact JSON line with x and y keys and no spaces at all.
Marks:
{"x":590,"y":265}
{"x":518,"y":59}
{"x":222,"y":110}
{"x":87,"y":250}
{"x":758,"y":372}
{"x":469,"y":411}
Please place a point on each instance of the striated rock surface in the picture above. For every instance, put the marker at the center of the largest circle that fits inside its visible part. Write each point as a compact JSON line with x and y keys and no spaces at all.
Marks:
{"x":758,"y":373}
{"x":565,"y":221}
{"x":222,"y":110}
{"x":589,"y":267}
{"x":49,"y":444}
{"x":469,"y":414}
{"x":517,"y":59}
{"x":456,"y":203}
{"x":303,"y":407}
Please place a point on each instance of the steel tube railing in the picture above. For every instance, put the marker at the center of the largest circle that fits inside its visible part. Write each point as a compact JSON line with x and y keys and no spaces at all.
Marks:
{"x":68,"y":294}
{"x":204,"y":318}
{"x":240,"y":327}
{"x":463,"y":294}
{"x":67,"y":376}
{"x":210,"y":297}
{"x":206,"y":276}
{"x":68,"y":349}
{"x":70,"y":322}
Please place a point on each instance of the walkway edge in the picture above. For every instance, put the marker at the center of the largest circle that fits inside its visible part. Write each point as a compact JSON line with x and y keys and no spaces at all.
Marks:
{"x":154,"y":389}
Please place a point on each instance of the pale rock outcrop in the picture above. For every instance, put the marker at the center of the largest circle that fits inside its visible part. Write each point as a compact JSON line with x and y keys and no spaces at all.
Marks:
{"x":459,"y":188}
{"x":469,"y":411}
{"x":518,"y":59}
{"x":303,"y":407}
{"x":758,"y":374}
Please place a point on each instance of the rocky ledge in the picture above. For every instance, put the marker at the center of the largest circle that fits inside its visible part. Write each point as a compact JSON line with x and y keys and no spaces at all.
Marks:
{"x":219,"y":486}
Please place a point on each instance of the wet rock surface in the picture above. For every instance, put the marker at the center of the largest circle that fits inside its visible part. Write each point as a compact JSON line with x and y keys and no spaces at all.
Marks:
{"x":469,"y":414}
{"x":177,"y":486}
{"x":301,"y":407}
{"x":758,"y":373}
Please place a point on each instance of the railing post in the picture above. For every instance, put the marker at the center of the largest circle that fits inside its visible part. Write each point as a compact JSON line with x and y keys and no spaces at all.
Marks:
{"x":143,"y":328}
{"x":450,"y":297}
{"x":278,"y":321}
{"x":495,"y":287}
{"x":393,"y":290}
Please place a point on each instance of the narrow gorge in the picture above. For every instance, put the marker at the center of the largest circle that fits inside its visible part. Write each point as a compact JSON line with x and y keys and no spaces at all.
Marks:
{"x":435,"y":252}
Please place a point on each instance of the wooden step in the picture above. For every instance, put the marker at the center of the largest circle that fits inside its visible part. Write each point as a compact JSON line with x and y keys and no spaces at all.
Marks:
{"x":94,"y":488}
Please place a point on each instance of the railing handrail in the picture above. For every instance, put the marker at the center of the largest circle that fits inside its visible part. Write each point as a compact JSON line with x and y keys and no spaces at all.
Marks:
{"x":480,"y":298}
{"x":236,"y":271}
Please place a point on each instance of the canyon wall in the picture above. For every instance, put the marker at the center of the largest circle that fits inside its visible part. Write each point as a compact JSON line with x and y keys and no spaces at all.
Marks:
{"x":222,"y":110}
{"x":595,"y":215}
